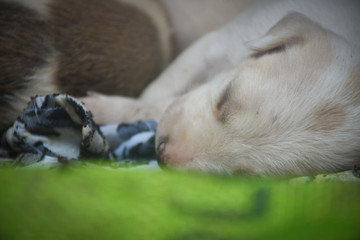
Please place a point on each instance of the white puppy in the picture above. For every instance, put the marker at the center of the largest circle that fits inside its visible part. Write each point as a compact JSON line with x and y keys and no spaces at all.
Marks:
{"x":279,"y":94}
{"x":287,"y":102}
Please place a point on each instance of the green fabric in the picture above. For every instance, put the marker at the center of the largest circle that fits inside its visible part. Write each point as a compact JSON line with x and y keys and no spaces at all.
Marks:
{"x":88,"y":203}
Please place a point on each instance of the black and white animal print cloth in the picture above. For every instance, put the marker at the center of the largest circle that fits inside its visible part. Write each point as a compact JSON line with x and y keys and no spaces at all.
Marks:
{"x":57,"y":129}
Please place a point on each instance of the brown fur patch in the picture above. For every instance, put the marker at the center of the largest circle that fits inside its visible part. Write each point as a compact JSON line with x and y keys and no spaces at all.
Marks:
{"x":354,"y":83}
{"x":104,"y":46}
{"x":23,"y":49}
{"x":225,"y":105}
{"x":328,"y":117}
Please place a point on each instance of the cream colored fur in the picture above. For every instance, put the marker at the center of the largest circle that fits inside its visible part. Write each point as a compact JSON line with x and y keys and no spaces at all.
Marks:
{"x":276,"y":91}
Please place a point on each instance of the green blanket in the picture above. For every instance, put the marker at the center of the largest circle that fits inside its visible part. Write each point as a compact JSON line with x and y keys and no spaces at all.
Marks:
{"x":96,"y":203}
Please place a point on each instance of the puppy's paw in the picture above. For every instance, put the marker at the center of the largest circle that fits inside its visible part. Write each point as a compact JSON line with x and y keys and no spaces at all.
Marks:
{"x":93,"y":94}
{"x":101,"y":107}
{"x":93,"y":100}
{"x":115,"y":109}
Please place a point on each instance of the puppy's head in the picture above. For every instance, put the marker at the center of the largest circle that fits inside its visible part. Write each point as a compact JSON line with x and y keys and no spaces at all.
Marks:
{"x":290,"y":107}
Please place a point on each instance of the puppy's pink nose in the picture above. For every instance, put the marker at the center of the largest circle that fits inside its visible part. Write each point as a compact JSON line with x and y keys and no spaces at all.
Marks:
{"x":161,"y":152}
{"x":161,"y":147}
{"x":173,"y":154}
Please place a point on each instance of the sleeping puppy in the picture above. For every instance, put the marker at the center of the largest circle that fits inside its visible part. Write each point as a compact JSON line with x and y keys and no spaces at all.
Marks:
{"x":282,"y":93}
{"x":276,"y":91}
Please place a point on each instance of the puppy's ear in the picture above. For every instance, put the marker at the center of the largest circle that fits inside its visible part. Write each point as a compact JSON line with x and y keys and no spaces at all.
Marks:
{"x":294,"y":28}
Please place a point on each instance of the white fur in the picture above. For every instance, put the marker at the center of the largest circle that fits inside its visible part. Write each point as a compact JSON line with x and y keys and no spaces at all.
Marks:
{"x":275,"y":131}
{"x":293,"y":111}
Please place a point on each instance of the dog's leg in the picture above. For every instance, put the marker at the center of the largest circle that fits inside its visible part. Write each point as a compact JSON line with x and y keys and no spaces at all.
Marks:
{"x":199,"y":64}
{"x":115,"y":109}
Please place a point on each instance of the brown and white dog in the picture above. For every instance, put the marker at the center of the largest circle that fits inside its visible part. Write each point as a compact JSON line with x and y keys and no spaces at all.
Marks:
{"x":47,"y":46}
{"x":275,"y":91}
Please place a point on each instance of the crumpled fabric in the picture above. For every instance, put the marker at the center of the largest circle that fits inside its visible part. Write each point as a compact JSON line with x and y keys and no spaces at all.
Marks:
{"x":131,"y":140}
{"x":57,"y":129}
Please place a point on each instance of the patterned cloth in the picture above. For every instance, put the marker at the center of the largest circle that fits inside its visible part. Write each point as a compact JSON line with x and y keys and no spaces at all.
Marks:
{"x":57,"y":129}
